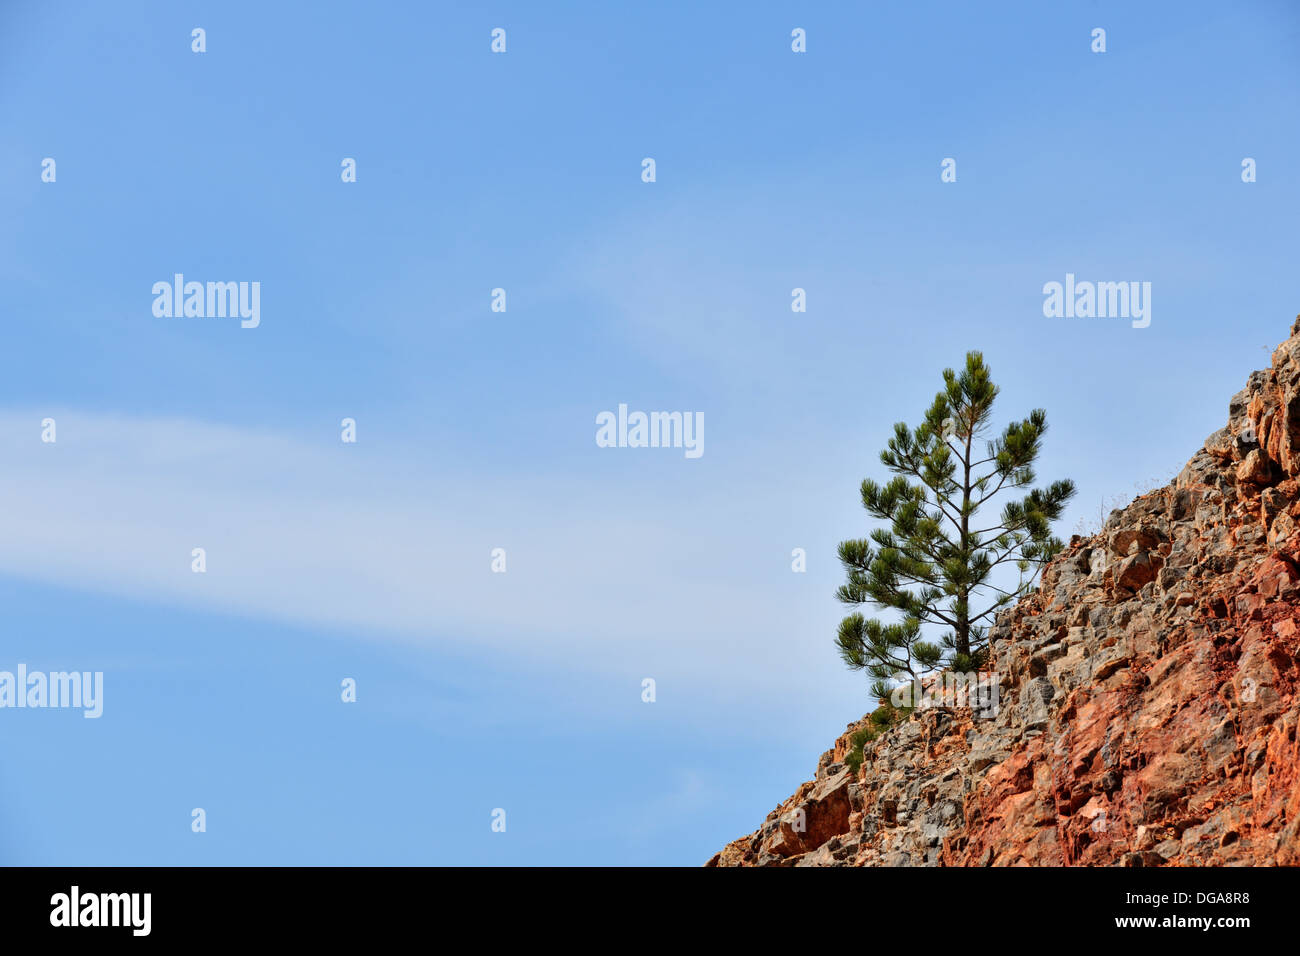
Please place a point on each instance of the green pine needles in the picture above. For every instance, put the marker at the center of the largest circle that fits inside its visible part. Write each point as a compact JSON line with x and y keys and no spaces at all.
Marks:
{"x":934,"y":561}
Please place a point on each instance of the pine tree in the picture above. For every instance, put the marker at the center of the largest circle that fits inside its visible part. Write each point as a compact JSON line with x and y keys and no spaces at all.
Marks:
{"x":934,"y":561}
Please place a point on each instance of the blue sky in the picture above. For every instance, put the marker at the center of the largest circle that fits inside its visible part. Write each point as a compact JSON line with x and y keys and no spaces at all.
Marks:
{"x":475,"y":171}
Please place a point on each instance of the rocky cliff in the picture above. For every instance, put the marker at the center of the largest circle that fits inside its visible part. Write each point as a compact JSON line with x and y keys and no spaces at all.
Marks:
{"x":1148,"y":701}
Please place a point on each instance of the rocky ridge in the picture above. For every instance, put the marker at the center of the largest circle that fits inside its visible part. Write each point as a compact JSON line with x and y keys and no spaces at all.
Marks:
{"x":1148,"y":700}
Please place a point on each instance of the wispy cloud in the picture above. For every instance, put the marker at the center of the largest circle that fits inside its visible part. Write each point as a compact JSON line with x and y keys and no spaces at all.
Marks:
{"x":606,"y":574}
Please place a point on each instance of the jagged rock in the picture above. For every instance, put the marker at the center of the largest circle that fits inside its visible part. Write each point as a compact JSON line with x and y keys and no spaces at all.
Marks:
{"x":1149,"y":693}
{"x":1254,"y":468}
{"x":1135,"y":571}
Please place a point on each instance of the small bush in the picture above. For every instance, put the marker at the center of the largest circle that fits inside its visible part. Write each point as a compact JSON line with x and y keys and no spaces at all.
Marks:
{"x":861,"y":736}
{"x":880,"y":720}
{"x":1090,"y":524}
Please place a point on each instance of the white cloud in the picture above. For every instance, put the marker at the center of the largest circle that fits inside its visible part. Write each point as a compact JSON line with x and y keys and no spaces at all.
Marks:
{"x":679,"y":583}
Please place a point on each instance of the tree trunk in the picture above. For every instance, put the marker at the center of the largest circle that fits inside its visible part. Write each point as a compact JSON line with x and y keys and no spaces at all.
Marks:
{"x":963,"y":596}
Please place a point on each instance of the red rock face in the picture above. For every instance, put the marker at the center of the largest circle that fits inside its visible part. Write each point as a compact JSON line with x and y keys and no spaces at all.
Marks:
{"x":1148,"y":704}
